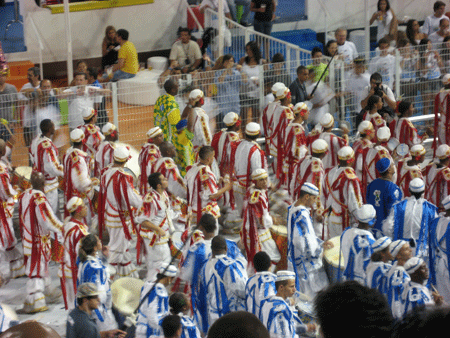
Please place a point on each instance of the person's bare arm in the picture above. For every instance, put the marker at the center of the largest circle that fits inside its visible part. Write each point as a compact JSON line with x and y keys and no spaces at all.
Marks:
{"x":119,"y":64}
{"x":104,"y":48}
{"x":191,"y":120}
{"x":391,"y":103}
{"x":274,"y":4}
{"x":156,"y":229}
{"x":222,"y":191}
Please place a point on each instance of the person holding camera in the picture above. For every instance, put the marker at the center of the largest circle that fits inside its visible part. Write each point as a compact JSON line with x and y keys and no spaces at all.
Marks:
{"x":377,"y":87}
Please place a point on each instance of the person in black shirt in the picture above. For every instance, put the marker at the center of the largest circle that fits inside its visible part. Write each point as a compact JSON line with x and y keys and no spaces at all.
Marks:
{"x":297,"y":88}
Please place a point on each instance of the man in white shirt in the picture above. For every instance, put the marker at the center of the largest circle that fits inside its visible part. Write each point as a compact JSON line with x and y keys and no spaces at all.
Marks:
{"x":346,"y":48}
{"x":431,"y":23}
{"x":81,"y":99}
{"x":384,"y":63}
{"x":27,"y":93}
{"x":186,"y":52}
{"x":377,"y":87}
{"x":437,"y":37}
{"x":357,"y":80}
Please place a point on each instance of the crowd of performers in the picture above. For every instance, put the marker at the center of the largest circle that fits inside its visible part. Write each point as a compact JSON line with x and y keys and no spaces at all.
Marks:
{"x":390,"y":211}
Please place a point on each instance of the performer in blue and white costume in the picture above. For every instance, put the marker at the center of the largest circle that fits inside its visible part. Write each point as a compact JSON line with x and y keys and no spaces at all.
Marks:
{"x":92,"y":269}
{"x":416,"y":293}
{"x":277,"y":315}
{"x":440,"y":251}
{"x":5,"y":321}
{"x":155,"y":306}
{"x":397,"y":277}
{"x":383,"y":193}
{"x":411,"y":218}
{"x":222,"y":284}
{"x":261,"y":285}
{"x":377,"y":269}
{"x":304,"y":247}
{"x":356,"y":244}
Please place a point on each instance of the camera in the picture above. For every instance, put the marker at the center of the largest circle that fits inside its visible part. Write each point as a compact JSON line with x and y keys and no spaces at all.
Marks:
{"x":378,"y":90}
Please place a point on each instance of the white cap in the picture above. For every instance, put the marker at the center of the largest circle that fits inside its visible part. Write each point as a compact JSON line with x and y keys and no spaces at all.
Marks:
{"x":276,"y":87}
{"x":416,"y":185}
{"x":443,"y":151}
{"x":319,"y":146}
{"x":108,"y":128}
{"x":446,"y":79}
{"x":258,"y":174}
{"x":300,"y":108}
{"x":446,"y":203}
{"x":252,"y":129}
{"x":155,"y":131}
{"x":365,"y":214}
{"x":393,"y":143}
{"x":413,"y":264}
{"x":381,"y":243}
{"x":167,"y":270}
{"x":285,"y":275}
{"x":346,"y":153}
{"x":282,"y":92}
{"x":310,"y":188}
{"x":88,"y":113}
{"x":196,"y":95}
{"x":394,"y":247}
{"x":73,"y":204}
{"x":121,"y":154}
{"x":383,"y":134}
{"x":327,"y":121}
{"x":230,"y":119}
{"x":417,"y":150}
{"x":365,"y":126}
{"x":76,"y":135}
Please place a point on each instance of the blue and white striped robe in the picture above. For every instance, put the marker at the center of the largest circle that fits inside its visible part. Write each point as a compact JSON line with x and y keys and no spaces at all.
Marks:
{"x":278,"y":317}
{"x":259,"y":287}
{"x":376,"y":276}
{"x":415,"y":295}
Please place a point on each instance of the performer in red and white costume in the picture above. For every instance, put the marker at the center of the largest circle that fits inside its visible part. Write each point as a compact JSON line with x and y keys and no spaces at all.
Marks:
{"x":92,"y":134}
{"x":44,"y":156}
{"x":341,"y":193}
{"x":148,"y":156}
{"x":74,"y":230}
{"x":202,"y":133}
{"x":410,"y":168}
{"x":155,"y":219}
{"x":37,"y":219}
{"x":374,"y":104}
{"x":442,"y":108}
{"x":255,"y":233}
{"x":118,"y":201}
{"x":77,"y":165}
{"x":405,"y":132}
{"x":269,"y":110}
{"x":334,"y":142}
{"x":202,"y":188}
{"x":437,"y":177}
{"x":361,"y":147}
{"x":8,"y":150}
{"x":295,"y":141}
{"x":8,"y":243}
{"x":105,"y":152}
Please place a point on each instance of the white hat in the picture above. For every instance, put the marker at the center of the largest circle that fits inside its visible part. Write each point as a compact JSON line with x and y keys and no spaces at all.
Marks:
{"x":88,"y":113}
{"x":327,"y":121}
{"x":446,"y":79}
{"x":276,"y":87}
{"x":413,"y":264}
{"x":300,"y":108}
{"x":446,"y":203}
{"x":394,"y":247}
{"x":366,"y":214}
{"x":258,"y":174}
{"x":416,"y":185}
{"x":443,"y":151}
{"x":310,"y":189}
{"x":73,"y":204}
{"x":252,"y":129}
{"x":121,"y":154}
{"x":108,"y":128}
{"x":76,"y":135}
{"x":155,"y":131}
{"x":282,"y":93}
{"x":346,"y":153}
{"x":167,"y":270}
{"x":125,"y":293}
{"x":417,"y":150}
{"x":365,"y":126}
{"x":393,"y":143}
{"x":196,"y":95}
{"x":381,"y":243}
{"x":383,"y":134}
{"x":230,"y":119}
{"x":319,"y":146}
{"x":285,"y":275}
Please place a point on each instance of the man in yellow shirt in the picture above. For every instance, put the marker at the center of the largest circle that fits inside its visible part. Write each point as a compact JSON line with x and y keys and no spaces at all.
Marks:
{"x":127,"y":65}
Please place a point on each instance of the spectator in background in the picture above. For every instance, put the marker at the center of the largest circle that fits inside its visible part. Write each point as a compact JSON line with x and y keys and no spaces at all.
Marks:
{"x":298,"y":88}
{"x":345,"y":48}
{"x":357,"y":81}
{"x":47,"y":105}
{"x":264,"y":15}
{"x":384,"y":64}
{"x":430,"y":65}
{"x":445,"y":54}
{"x":8,"y":100}
{"x":431,"y":23}
{"x":317,"y":67}
{"x":386,"y":21}
{"x":437,"y":37}
{"x":127,"y":65}
{"x":99,"y":100}
{"x":409,"y":64}
{"x":81,"y":68}
{"x":185,"y":53}
{"x":245,"y":13}
{"x":330,"y":48}
{"x":377,"y":87}
{"x":110,"y":47}
{"x":413,"y":32}
{"x":26,"y":96}
{"x":278,"y":72}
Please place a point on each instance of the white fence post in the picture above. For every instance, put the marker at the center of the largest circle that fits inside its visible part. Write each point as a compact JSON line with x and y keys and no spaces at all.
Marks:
{"x":261,"y":87}
{"x":115,"y":104}
{"x":397,"y":74}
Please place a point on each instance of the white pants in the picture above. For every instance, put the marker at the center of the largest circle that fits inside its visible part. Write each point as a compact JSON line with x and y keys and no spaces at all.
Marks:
{"x":154,"y":256}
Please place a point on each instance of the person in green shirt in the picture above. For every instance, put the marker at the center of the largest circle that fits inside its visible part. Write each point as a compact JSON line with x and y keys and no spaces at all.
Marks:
{"x":318,"y":67}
